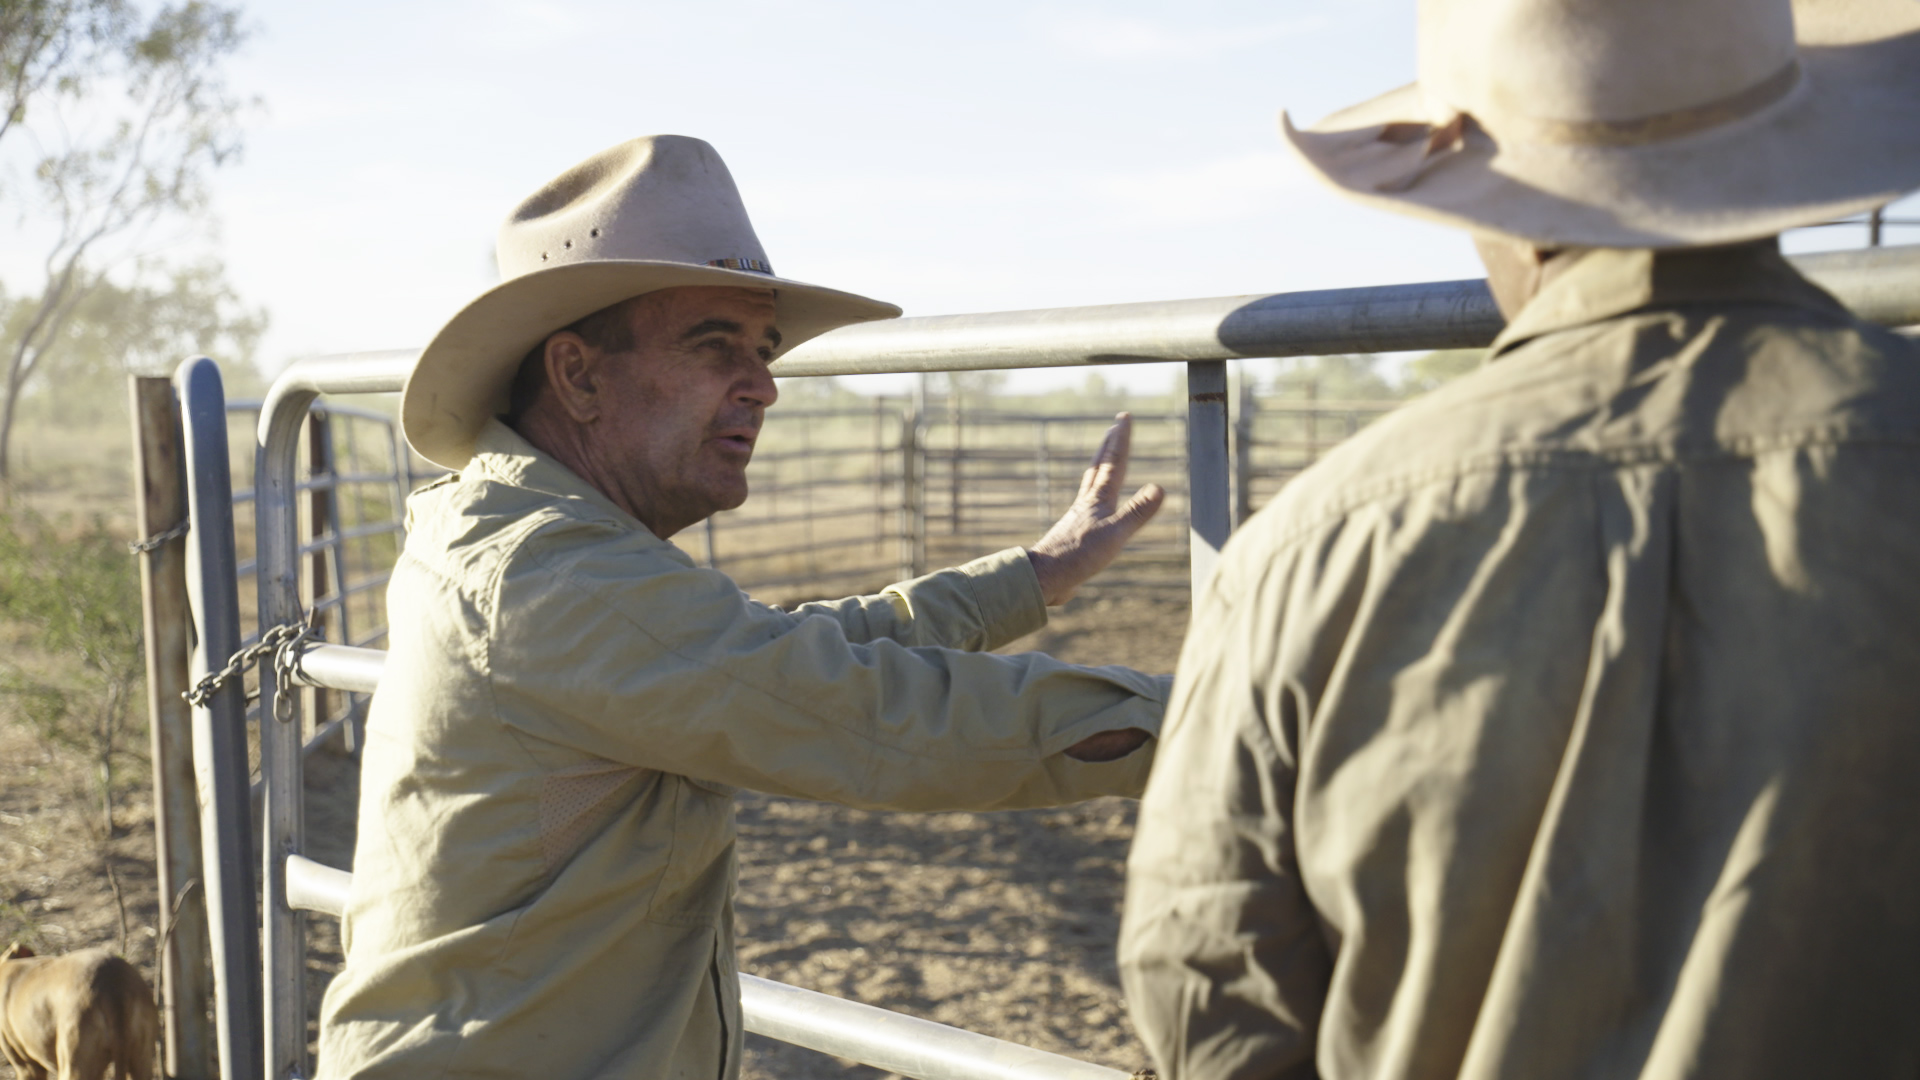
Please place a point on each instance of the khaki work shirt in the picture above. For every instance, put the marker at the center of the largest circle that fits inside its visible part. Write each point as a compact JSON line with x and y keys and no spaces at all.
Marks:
{"x":1566,"y":722}
{"x":545,"y":867}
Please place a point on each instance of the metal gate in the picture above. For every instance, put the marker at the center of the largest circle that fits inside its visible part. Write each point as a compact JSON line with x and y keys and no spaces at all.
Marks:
{"x":261,"y":1025}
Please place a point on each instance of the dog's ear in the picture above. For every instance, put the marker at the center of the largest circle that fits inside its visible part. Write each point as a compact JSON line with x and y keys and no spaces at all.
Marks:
{"x":17,"y":951}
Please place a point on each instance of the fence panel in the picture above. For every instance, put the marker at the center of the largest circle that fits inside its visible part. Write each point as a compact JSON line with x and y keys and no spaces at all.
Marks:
{"x":1883,"y":285}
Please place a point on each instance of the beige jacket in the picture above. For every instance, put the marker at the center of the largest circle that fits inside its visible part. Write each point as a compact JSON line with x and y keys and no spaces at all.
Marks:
{"x":1565,"y":723}
{"x":543,"y":880}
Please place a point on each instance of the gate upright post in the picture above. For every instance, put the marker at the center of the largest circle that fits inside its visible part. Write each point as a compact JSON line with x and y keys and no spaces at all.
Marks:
{"x":220,"y":727}
{"x":1209,"y":502}
{"x":161,"y":503}
{"x":283,"y":940}
{"x":321,"y":520}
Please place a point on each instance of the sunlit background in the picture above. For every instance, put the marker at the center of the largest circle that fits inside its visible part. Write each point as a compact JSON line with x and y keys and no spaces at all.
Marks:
{"x":946,"y":157}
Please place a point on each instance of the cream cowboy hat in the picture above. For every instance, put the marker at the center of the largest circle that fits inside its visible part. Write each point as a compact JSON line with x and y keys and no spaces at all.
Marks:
{"x":1638,"y":123}
{"x":652,"y":213}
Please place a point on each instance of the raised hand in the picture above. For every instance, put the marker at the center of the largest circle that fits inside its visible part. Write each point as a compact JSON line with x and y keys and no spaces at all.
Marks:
{"x":1097,"y":526}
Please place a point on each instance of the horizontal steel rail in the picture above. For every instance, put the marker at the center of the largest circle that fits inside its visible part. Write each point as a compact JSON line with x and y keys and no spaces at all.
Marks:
{"x":1882,"y":285}
{"x":887,"y":1040}
{"x":341,"y":667}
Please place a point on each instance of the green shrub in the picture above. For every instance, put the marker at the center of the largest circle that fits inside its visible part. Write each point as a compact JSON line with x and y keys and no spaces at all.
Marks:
{"x":77,"y":590}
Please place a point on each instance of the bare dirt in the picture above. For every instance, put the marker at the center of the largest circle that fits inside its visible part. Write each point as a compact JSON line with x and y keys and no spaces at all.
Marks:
{"x":1000,"y":923}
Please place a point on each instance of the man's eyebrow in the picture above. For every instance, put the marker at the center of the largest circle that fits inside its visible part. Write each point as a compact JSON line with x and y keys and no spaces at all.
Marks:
{"x":709,"y":326}
{"x":725,"y":326}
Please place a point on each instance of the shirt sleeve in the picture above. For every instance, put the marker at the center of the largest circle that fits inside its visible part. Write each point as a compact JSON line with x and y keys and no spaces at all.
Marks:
{"x":1221,"y":953}
{"x":979,"y":606}
{"x":599,"y":645}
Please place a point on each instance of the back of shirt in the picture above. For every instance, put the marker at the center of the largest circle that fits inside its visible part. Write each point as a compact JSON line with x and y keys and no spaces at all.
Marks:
{"x":1567,"y":722}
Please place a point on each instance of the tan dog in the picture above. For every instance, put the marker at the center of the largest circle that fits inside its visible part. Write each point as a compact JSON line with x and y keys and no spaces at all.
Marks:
{"x":74,"y":1017}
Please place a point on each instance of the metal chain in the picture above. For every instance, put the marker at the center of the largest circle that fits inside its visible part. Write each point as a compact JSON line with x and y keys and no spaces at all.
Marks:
{"x":283,"y":643}
{"x":159,"y":540}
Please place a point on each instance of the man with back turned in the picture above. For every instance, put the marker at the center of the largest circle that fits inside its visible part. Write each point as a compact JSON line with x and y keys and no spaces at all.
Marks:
{"x":1566,"y":723}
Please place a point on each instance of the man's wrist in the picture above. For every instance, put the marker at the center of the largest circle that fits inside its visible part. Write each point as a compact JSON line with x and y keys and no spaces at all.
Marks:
{"x":1046,"y":571}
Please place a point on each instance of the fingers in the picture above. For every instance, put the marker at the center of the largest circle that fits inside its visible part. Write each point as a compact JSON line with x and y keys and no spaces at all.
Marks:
{"x":1103,"y":481}
{"x":1145,"y":503}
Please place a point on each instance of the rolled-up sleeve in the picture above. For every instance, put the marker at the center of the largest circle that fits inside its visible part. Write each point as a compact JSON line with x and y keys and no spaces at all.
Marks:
{"x":599,"y":642}
{"x":1221,"y":954}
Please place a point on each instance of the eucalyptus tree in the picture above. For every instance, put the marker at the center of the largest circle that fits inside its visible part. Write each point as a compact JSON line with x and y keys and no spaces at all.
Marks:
{"x":116,"y":114}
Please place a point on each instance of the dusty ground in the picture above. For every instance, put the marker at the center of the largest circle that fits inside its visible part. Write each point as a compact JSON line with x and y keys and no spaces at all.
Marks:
{"x":1000,"y":923}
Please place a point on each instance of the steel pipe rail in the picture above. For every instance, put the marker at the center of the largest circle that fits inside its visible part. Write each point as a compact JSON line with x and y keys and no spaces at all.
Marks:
{"x":312,"y":886}
{"x":888,"y":1040}
{"x":1435,"y":315}
{"x":897,"y":1043}
{"x":1880,"y":284}
{"x":340,"y":667}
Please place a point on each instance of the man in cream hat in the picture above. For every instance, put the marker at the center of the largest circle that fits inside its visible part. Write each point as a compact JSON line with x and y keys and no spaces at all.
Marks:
{"x":1566,"y":723}
{"x":543,"y":877}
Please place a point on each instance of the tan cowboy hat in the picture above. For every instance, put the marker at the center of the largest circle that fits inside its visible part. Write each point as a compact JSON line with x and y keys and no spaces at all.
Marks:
{"x":652,"y":213}
{"x":1638,"y":123}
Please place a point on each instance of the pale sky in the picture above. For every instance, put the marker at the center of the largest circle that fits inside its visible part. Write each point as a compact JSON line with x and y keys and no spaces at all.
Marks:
{"x":947,"y":157}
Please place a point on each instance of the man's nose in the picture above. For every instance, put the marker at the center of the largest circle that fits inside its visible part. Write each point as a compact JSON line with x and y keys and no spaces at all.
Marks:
{"x":757,"y":387}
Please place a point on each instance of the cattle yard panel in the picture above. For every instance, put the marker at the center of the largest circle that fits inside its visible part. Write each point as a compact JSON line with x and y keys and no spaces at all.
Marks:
{"x":262,"y":1026}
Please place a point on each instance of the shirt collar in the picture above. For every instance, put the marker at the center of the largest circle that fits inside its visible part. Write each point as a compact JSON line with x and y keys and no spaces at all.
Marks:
{"x":1602,"y":283}
{"x":501,"y":454}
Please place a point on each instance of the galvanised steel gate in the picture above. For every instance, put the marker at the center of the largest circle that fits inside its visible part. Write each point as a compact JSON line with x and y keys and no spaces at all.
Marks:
{"x":261,"y":1021}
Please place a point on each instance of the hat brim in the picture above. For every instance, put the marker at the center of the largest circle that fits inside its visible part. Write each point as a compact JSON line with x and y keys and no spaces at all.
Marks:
{"x":1841,"y":143}
{"x":463,"y":375}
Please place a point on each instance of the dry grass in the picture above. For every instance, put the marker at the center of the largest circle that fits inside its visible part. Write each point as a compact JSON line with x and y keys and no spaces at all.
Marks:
{"x":964,"y":918}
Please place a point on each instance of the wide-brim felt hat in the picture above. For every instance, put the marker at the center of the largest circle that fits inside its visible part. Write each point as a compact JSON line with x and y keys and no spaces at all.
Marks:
{"x":1638,"y":123}
{"x":652,"y":213}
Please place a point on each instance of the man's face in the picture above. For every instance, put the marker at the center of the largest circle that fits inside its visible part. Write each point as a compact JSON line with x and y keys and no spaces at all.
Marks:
{"x":682,"y":411}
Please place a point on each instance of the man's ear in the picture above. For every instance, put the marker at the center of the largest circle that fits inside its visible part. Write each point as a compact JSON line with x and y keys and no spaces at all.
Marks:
{"x":573,"y":374}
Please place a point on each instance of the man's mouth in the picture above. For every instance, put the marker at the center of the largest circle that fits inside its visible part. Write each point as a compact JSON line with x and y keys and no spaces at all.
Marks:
{"x":741,"y":441}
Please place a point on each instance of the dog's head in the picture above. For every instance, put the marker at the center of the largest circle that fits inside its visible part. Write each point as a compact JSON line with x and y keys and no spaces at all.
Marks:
{"x":17,"y":951}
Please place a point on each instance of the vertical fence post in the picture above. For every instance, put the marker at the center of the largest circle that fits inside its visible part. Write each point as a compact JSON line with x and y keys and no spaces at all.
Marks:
{"x":161,"y":504}
{"x":909,"y":487}
{"x":220,"y":728}
{"x":916,"y":455}
{"x":1043,"y":474}
{"x":320,"y":522}
{"x":879,"y":460}
{"x":1243,"y":444}
{"x":1312,"y":417}
{"x":806,"y":497}
{"x":337,"y":550}
{"x":1209,"y":503}
{"x":956,"y":421}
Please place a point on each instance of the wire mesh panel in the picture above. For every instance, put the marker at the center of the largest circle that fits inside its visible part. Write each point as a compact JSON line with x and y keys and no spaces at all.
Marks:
{"x":831,"y":504}
{"x":355,"y":471}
